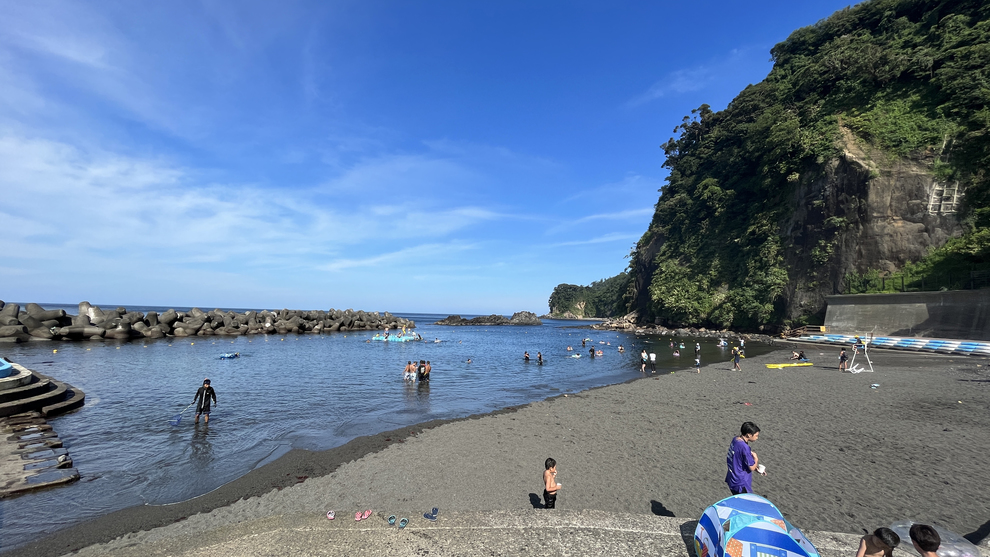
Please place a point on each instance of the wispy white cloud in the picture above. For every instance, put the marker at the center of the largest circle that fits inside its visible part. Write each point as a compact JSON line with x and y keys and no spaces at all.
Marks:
{"x":689,"y":80}
{"x":410,"y":255}
{"x":632,"y":216}
{"x":631,"y":185}
{"x":677,"y":82}
{"x":607,"y":238}
{"x":67,"y":204}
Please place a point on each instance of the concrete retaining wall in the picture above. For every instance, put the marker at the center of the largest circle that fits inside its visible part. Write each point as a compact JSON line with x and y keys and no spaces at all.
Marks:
{"x":960,"y":314}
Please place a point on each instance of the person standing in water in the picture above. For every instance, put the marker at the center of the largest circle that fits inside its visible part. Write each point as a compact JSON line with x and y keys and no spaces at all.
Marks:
{"x":539,"y":358}
{"x":202,"y":399}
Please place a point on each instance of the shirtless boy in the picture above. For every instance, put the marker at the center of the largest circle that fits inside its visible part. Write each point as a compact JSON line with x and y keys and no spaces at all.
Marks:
{"x":550,"y":485}
{"x":880,"y":543}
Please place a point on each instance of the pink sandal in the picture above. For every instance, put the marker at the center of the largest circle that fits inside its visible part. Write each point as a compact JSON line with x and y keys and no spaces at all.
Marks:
{"x":331,"y":515}
{"x":357,"y":515}
{"x":366,"y":514}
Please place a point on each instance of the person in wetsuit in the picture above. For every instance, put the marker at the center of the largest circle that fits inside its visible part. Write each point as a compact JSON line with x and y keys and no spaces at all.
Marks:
{"x":202,"y":400}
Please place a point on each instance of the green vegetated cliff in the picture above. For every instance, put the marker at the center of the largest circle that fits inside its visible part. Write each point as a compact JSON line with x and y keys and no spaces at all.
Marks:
{"x":865,"y":150}
{"x":603,"y":298}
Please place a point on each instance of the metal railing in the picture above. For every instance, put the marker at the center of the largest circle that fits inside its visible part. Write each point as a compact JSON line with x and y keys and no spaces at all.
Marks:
{"x":958,"y":280}
{"x":805,"y":330}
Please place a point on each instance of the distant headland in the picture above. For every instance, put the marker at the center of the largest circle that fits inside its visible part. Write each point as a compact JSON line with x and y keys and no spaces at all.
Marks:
{"x":93,"y":323}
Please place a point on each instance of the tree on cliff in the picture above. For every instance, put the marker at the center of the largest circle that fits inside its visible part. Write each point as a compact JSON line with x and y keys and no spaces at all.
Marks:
{"x":908,"y":77}
{"x":603,"y":298}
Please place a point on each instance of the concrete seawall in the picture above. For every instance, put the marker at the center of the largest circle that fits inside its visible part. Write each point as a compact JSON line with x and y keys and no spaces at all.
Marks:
{"x":953,"y":315}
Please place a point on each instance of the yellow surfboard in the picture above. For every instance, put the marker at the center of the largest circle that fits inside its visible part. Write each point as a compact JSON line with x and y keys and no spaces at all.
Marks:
{"x":778,"y":366}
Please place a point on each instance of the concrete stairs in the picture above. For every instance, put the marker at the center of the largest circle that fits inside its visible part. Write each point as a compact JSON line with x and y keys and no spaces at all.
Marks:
{"x":31,"y":454}
{"x":24,"y":391}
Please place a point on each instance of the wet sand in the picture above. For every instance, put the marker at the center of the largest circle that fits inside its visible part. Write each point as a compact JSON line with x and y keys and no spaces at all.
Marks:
{"x":841,"y":456}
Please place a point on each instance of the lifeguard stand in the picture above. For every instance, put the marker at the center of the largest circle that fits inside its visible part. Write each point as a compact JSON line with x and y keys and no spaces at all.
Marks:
{"x":864,"y":344}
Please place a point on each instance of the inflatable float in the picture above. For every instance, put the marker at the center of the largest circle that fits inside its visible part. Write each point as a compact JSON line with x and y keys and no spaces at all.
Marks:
{"x":748,"y":525}
{"x":778,"y":366}
{"x":397,"y":338}
{"x":952,"y":544}
{"x":230,"y":355}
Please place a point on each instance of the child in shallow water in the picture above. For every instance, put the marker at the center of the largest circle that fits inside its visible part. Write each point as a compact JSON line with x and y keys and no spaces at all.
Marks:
{"x":880,"y":543}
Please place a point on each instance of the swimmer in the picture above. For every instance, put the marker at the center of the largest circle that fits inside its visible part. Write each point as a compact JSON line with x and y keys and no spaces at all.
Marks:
{"x":469,"y":360}
{"x":569,"y":348}
{"x":621,"y":349}
{"x":677,"y":352}
{"x":600,"y":353}
{"x":526,"y":356}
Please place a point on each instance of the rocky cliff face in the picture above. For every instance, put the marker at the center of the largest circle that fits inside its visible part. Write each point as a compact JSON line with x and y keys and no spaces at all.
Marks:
{"x":861,"y":211}
{"x":866,"y":211}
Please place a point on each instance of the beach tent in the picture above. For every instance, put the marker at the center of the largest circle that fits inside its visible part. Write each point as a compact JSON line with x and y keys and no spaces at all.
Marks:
{"x":748,"y":525}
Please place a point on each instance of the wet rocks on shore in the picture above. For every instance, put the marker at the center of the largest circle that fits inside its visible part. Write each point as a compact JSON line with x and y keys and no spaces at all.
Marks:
{"x":629,"y":323}
{"x":94,"y":323}
{"x":518,"y":318}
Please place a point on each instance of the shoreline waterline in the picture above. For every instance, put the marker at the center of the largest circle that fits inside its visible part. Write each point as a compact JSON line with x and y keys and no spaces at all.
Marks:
{"x":840,"y":453}
{"x":291,"y":468}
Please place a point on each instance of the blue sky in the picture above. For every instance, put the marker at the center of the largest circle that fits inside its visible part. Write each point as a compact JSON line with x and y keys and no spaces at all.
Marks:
{"x":447,"y":157}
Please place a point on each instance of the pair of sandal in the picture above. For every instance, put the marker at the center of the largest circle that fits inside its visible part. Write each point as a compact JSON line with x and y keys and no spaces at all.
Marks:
{"x":432,"y":516}
{"x":362,"y":515}
{"x":402,"y":522}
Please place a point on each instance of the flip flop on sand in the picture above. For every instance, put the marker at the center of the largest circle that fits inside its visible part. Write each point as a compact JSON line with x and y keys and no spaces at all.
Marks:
{"x":331,"y":515}
{"x":366,"y":514}
{"x":432,"y":516}
{"x":357,"y":515}
{"x":403,"y":522}
{"x":391,"y":519}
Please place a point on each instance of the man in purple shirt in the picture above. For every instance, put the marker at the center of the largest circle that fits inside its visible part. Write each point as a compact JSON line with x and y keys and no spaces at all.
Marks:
{"x":742,"y":461}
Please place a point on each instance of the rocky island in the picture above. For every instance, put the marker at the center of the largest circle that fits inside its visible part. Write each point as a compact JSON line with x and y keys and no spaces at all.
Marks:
{"x":518,"y":318}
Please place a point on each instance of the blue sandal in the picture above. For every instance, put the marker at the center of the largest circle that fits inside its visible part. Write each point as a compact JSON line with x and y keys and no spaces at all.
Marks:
{"x":403,"y":522}
{"x":391,"y":519}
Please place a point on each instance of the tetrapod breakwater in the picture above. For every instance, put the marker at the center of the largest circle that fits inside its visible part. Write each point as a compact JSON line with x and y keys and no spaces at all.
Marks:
{"x":35,"y":323}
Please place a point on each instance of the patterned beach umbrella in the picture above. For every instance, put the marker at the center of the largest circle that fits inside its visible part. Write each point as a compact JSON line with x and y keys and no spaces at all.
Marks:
{"x":748,"y":525}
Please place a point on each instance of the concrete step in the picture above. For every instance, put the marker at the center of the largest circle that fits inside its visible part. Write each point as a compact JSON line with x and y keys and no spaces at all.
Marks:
{"x":37,"y":402}
{"x":74,"y":398}
{"x":31,"y":456}
{"x":22,"y":376}
{"x":39,"y":386}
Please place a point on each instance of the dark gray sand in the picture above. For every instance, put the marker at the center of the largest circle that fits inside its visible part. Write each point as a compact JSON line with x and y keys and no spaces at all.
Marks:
{"x":841,"y":456}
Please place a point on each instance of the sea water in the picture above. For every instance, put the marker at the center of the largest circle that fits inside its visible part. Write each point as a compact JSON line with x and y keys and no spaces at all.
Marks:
{"x":283,"y":392}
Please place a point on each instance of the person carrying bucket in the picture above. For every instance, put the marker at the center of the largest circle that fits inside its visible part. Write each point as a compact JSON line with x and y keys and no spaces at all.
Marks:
{"x":202,"y":400}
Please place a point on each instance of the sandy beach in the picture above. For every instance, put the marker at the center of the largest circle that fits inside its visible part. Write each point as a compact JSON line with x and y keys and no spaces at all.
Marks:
{"x":841,"y":456}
